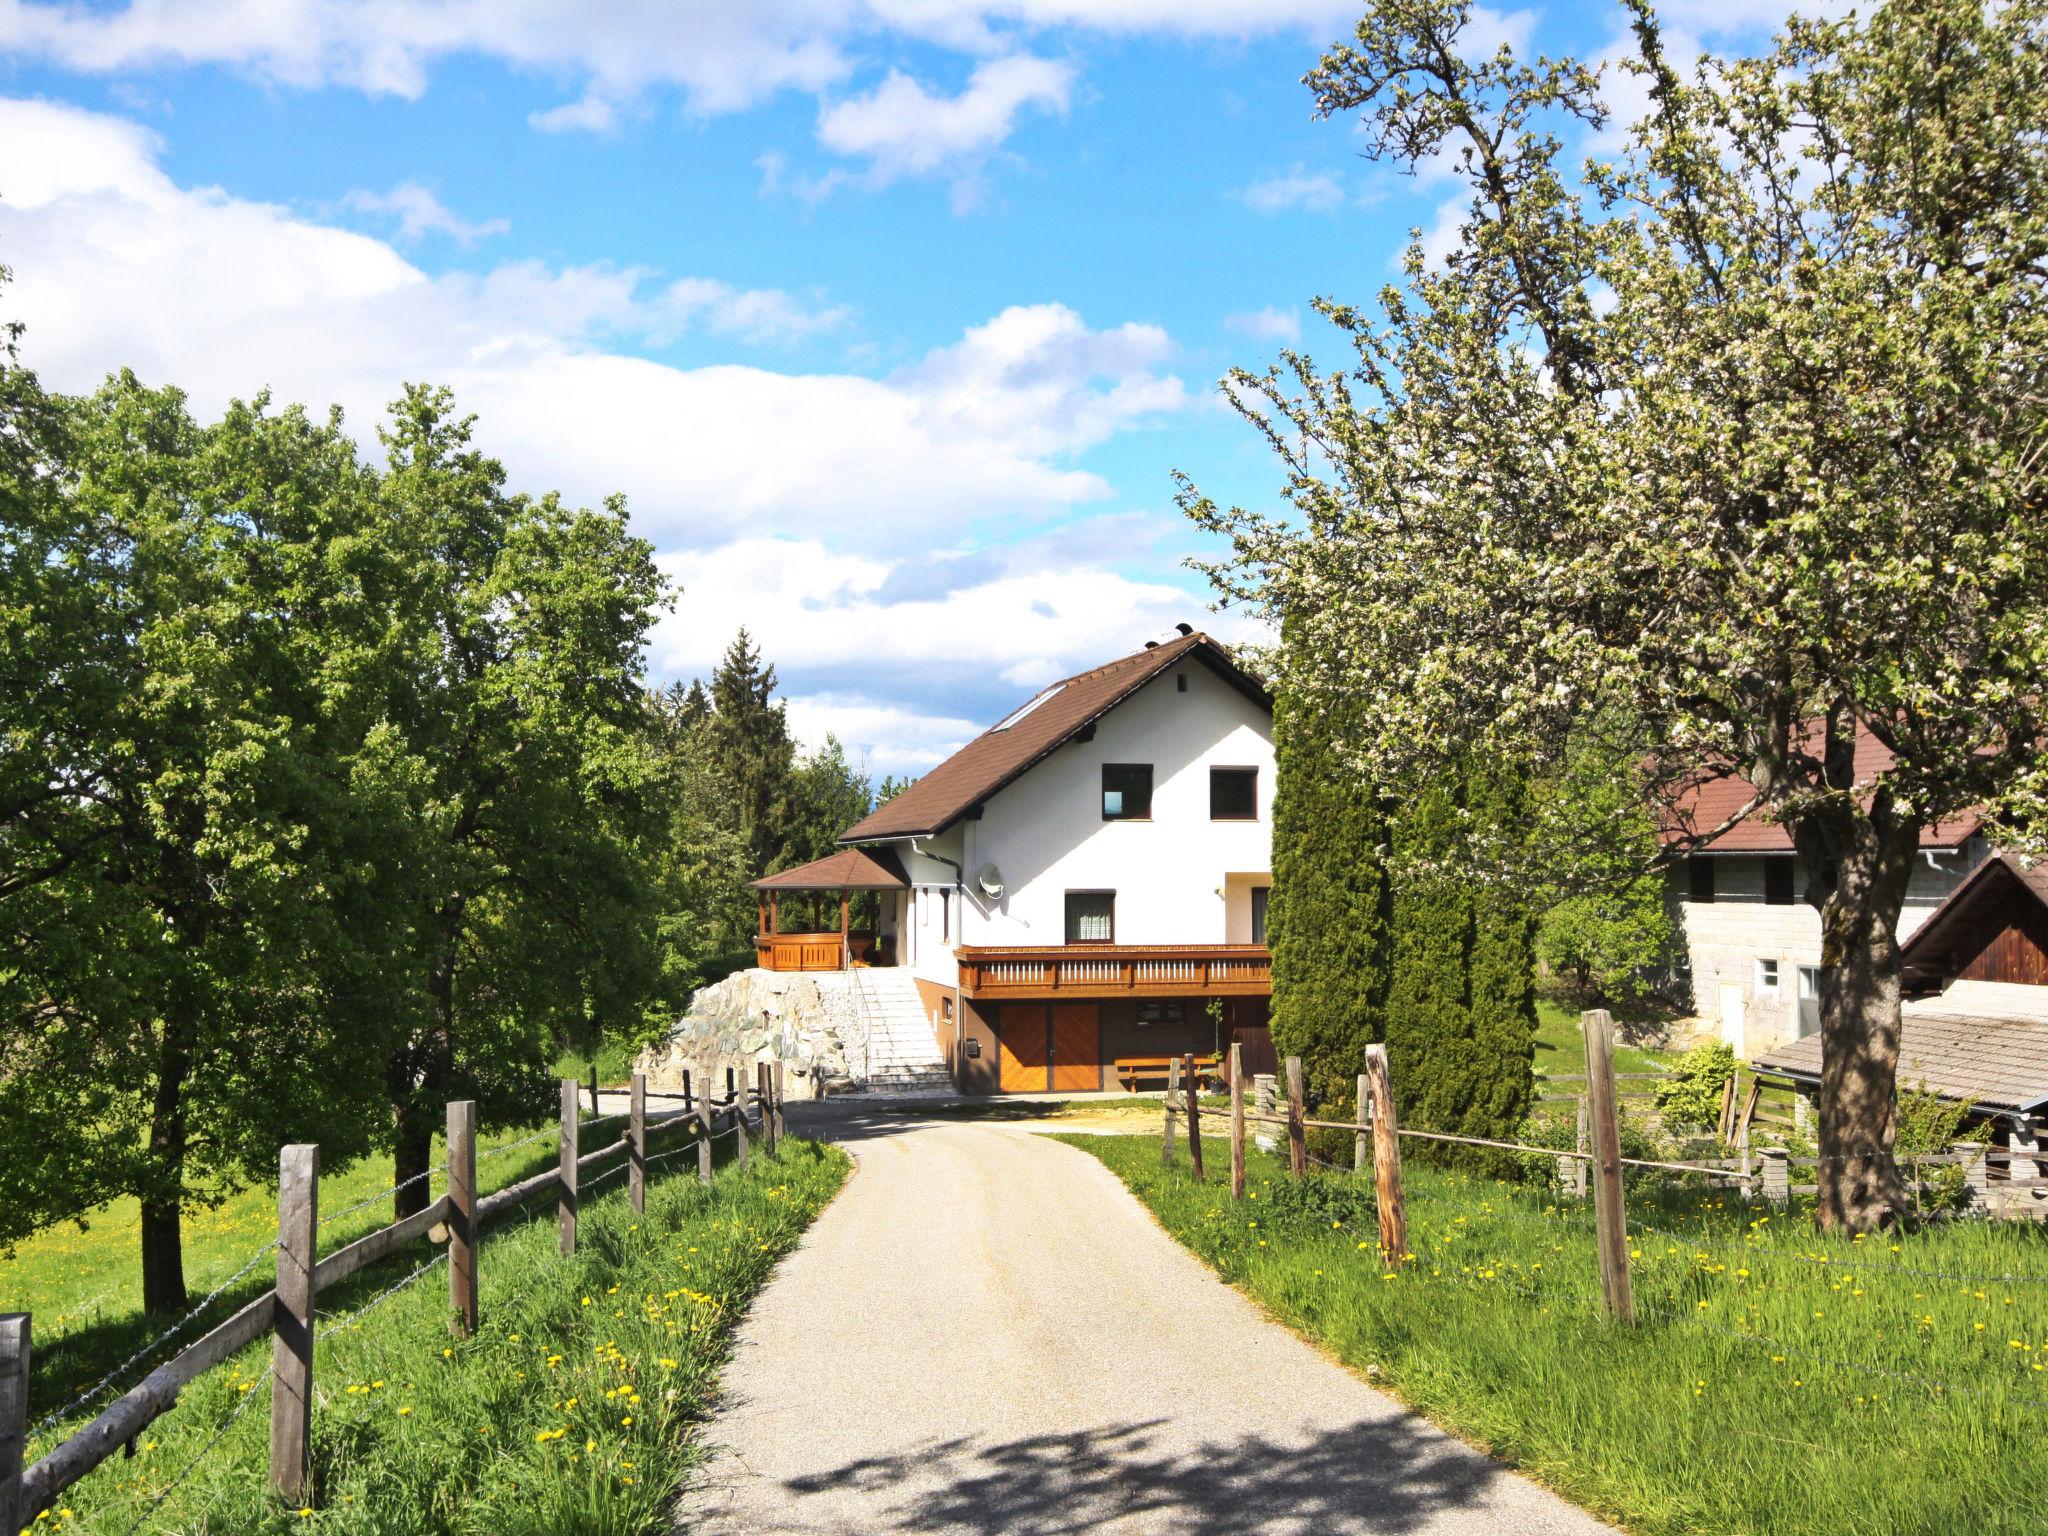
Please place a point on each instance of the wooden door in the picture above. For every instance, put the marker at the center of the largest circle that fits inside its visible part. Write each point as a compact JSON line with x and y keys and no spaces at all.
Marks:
{"x":1022,"y":1045}
{"x":1076,"y":1047}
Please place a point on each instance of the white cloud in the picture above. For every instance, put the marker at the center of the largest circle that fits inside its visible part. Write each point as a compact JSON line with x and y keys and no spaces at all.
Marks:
{"x":1268,"y":324}
{"x":1317,"y":191}
{"x":588,"y":114}
{"x":118,"y":265}
{"x":418,"y":213}
{"x":902,"y":129}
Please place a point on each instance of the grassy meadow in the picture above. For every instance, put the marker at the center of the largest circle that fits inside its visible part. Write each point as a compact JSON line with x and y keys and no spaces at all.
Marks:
{"x":568,"y":1411}
{"x":1777,"y":1382}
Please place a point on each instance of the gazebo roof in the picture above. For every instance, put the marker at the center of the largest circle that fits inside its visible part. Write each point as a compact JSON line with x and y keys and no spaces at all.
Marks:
{"x":850,"y":869}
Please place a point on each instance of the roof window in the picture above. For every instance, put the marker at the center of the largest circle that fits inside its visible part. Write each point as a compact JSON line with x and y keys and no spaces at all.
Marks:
{"x":1005,"y":724}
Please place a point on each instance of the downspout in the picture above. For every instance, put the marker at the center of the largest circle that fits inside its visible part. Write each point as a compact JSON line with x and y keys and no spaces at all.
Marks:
{"x":959,"y":1006}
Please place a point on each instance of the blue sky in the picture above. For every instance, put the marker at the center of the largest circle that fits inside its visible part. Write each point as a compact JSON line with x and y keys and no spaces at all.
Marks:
{"x":891,"y":318}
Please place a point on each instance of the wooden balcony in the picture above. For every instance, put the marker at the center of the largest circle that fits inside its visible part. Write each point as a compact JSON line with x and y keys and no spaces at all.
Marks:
{"x":1110,"y":970}
{"x":811,"y":951}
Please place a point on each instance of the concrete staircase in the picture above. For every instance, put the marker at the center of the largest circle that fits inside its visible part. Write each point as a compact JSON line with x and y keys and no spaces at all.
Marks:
{"x":903,"y":1054}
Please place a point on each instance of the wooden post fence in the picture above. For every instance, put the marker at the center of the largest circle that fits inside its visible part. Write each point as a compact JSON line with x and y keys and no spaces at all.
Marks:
{"x":1386,"y":1156}
{"x":14,"y":1350}
{"x":1297,"y":1133}
{"x":1172,"y":1087}
{"x":565,"y":1200}
{"x":767,"y":1106}
{"x":737,"y":1102}
{"x":462,"y":1228}
{"x":1266,"y":1104}
{"x":636,"y":1143}
{"x":703,"y":1143}
{"x":688,"y":1101}
{"x":1610,"y":1220}
{"x":1194,"y":1087}
{"x":291,"y":1350}
{"x":775,"y":1083}
{"x":1236,"y":1121}
{"x":1361,"y":1144}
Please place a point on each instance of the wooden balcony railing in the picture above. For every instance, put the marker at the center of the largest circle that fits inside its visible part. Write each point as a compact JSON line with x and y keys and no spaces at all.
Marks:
{"x":809,"y":951}
{"x":1103,"y":970}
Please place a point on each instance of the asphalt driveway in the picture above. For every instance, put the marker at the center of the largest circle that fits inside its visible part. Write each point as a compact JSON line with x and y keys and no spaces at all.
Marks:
{"x":986,"y":1332}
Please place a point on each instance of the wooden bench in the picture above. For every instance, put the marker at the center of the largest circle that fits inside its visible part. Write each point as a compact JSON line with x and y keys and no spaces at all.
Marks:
{"x":1130,"y":1069}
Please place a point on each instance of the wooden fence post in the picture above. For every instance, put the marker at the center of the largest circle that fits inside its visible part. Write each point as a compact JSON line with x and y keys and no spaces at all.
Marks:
{"x":688,"y":1102}
{"x":565,"y":1199}
{"x":1266,"y":1100}
{"x":1194,"y":1087}
{"x":732,"y":1093}
{"x":1386,"y":1156}
{"x":1172,"y":1087}
{"x":14,"y":1351}
{"x":767,"y":1107}
{"x":1236,"y":1121}
{"x":462,"y":1231}
{"x":1297,"y":1133}
{"x":775,"y":1086}
{"x":1361,"y":1144}
{"x":1777,"y":1176}
{"x":291,"y":1323}
{"x":1610,"y":1219}
{"x":636,"y":1143}
{"x":703,"y":1144}
{"x":737,"y":1102}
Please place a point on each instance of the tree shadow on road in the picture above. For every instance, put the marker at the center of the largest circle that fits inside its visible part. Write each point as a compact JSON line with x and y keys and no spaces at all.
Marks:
{"x":1390,"y":1475}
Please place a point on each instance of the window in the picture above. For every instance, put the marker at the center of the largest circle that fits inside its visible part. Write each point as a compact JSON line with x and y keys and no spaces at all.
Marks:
{"x":1259,"y":894}
{"x":1091,"y":917}
{"x":1162,"y":1013}
{"x":1778,"y":882}
{"x":1180,"y":682}
{"x":1809,"y":1000}
{"x":1126,"y":791}
{"x":945,"y":916}
{"x":1010,"y":720}
{"x":1767,"y":981}
{"x":1233,"y":794}
{"x":1699,"y":875}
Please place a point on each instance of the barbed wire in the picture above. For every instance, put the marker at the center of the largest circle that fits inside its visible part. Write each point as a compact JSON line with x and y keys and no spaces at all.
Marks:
{"x":514,"y":1146}
{"x":219,"y":1435}
{"x":354,"y":1317}
{"x":57,"y":1416}
{"x":425,"y":1173}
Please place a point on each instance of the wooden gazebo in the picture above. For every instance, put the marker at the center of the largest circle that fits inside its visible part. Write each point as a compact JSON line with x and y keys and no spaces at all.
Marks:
{"x":848,"y":871}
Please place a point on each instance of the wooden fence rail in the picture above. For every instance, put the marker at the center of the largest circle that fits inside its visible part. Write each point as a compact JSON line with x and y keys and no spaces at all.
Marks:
{"x":286,"y":1311}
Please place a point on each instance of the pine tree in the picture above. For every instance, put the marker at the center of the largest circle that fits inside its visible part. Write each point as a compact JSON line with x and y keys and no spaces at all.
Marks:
{"x":747,"y":738}
{"x":1327,"y":919}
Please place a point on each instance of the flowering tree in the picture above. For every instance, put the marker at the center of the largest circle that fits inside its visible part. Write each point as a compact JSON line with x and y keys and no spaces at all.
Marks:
{"x":1727,"y":449}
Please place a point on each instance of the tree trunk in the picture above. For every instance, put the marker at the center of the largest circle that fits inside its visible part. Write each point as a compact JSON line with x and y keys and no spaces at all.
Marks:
{"x":163,"y":1256}
{"x":412,"y":1155}
{"x":1860,"y":862}
{"x":163,"y":1237}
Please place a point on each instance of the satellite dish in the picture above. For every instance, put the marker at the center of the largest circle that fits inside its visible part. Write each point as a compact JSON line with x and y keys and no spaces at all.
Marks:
{"x":990,"y":879}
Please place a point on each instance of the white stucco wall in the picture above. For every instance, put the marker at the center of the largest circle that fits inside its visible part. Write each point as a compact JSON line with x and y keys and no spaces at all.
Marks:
{"x":1725,"y":938}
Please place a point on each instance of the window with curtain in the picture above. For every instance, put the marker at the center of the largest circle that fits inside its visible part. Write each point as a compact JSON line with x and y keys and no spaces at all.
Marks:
{"x":1259,"y":894}
{"x":1091,"y":917}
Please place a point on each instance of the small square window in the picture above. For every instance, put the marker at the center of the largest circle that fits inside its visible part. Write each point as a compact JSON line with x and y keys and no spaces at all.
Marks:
{"x":1162,"y":1013}
{"x":1767,"y":978}
{"x":1091,"y":917}
{"x":1126,"y":791}
{"x":1233,"y":794}
{"x":1778,"y":882}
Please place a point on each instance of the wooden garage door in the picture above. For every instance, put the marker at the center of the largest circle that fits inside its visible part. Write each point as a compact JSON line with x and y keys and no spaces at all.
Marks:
{"x":1076,"y":1047}
{"x":1021,"y":1048}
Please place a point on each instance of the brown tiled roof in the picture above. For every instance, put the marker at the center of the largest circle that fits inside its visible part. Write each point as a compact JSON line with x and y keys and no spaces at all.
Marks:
{"x":1928,"y":954}
{"x":997,"y":756}
{"x":850,"y":869}
{"x":1713,"y":798}
{"x":1995,"y":1063}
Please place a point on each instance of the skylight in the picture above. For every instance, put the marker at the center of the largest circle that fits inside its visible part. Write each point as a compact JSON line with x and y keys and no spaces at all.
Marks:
{"x":1020,"y":714}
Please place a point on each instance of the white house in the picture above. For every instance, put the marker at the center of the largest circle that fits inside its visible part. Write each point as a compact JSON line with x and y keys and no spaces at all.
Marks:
{"x":1081,"y":888}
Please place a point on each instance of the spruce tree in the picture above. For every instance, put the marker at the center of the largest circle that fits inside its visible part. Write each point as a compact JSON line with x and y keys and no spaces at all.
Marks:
{"x":751,"y":752}
{"x":1326,"y":918}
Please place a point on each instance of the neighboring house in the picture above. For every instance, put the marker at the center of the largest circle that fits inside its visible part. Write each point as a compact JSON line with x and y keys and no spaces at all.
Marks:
{"x":1082,"y":884}
{"x":1751,"y":943}
{"x":1974,"y":1026}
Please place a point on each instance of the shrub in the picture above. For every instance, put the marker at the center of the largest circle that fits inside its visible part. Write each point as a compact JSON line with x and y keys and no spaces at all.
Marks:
{"x":1693,"y":1096}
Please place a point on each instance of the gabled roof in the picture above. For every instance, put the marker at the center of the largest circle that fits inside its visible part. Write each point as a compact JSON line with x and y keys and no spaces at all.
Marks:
{"x":850,"y":869}
{"x":1996,"y":1064}
{"x":1930,"y":953}
{"x":1051,"y":718}
{"x":1712,"y":798}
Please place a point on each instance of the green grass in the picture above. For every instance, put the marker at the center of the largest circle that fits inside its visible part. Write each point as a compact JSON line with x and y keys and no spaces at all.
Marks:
{"x":569,"y":1411}
{"x":1777,"y":1382}
{"x":614,"y":1065}
{"x":1561,"y":1047}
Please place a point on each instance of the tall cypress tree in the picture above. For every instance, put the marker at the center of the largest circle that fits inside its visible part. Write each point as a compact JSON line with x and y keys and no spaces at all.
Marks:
{"x":1326,"y":921}
{"x":1503,"y":969}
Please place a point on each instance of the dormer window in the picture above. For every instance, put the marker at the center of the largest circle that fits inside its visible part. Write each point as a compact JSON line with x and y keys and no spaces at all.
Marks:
{"x":1126,"y":791}
{"x":1012,"y":719}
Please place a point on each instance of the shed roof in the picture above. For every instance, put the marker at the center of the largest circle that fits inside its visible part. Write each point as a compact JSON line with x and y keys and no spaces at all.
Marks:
{"x":1929,"y":954}
{"x":1995,"y":1063}
{"x":850,"y":869}
{"x":1713,"y":796}
{"x":1050,"y":718}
